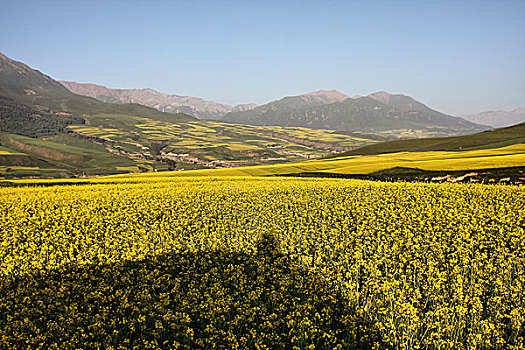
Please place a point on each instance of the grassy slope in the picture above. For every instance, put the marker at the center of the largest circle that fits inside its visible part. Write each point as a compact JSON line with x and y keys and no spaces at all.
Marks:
{"x":205,"y":140}
{"x":499,"y":148}
{"x":432,"y":161}
{"x":67,"y":152}
{"x":239,"y":144}
{"x":487,"y":139}
{"x":437,"y":160}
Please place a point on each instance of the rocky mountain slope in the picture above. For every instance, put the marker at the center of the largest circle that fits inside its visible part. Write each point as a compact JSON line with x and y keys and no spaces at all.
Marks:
{"x":377,"y":112}
{"x":497,"y":118}
{"x":30,"y":87}
{"x":194,"y":106}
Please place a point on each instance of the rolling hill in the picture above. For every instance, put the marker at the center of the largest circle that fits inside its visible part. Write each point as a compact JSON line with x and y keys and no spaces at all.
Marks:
{"x":488,"y":139}
{"x":492,"y":156}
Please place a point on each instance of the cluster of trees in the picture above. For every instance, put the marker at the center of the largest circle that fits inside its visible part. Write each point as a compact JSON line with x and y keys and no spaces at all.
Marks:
{"x":17,"y":118}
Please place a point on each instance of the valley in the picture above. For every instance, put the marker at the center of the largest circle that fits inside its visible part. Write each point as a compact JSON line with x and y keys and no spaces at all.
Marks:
{"x":69,"y":135}
{"x":136,"y":144}
{"x":262,"y":175}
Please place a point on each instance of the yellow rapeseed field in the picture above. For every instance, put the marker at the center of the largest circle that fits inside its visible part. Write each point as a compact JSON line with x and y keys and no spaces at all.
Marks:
{"x":438,"y":266}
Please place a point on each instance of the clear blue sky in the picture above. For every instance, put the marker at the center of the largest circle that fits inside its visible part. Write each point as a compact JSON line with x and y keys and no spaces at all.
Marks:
{"x":455,"y":56}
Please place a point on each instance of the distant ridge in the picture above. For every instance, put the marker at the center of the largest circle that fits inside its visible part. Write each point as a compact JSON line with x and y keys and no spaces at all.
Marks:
{"x":322,"y":109}
{"x":194,"y":106}
{"x":377,"y":112}
{"x":497,"y":118}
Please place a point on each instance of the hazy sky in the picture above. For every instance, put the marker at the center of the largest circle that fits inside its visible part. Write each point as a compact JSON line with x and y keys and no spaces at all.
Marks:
{"x":455,"y":56}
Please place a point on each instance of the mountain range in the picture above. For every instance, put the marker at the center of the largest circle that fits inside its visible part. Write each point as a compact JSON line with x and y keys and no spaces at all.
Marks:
{"x":378,"y":112}
{"x":323,"y":109}
{"x":497,"y":118}
{"x":193,"y":106}
{"x":29,"y":86}
{"x":47,"y":130}
{"x":319,"y":110}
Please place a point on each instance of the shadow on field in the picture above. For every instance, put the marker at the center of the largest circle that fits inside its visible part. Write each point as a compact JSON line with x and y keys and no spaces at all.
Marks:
{"x":509,"y":175}
{"x":204,"y":300}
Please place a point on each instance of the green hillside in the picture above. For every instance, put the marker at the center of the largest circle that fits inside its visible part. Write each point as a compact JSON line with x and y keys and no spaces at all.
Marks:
{"x":144,"y":144}
{"x":29,"y":121}
{"x":33,"y":88}
{"x":487,"y":139}
{"x":61,"y":156}
{"x":123,"y":144}
{"x":492,"y":156}
{"x":47,"y":131}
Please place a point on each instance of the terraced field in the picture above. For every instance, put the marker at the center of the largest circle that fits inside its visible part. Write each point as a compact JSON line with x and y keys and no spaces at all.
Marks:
{"x":504,"y":157}
{"x":206,"y":144}
{"x":113,"y":144}
{"x":207,"y":134}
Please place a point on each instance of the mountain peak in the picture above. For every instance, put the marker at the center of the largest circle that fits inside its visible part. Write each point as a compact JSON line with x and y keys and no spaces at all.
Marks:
{"x":243,"y":107}
{"x":499,"y":118}
{"x":381,"y":96}
{"x":17,"y":66}
{"x":20,"y":82}
{"x":332,"y":95}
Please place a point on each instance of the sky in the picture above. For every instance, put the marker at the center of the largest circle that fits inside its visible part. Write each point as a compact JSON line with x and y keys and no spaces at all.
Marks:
{"x":455,"y":56}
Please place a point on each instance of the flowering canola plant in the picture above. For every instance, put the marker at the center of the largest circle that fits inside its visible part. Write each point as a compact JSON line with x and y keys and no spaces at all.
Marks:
{"x":435,"y":266}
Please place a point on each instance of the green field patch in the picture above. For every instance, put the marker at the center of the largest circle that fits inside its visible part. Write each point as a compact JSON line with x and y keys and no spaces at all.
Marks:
{"x":23,"y":171}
